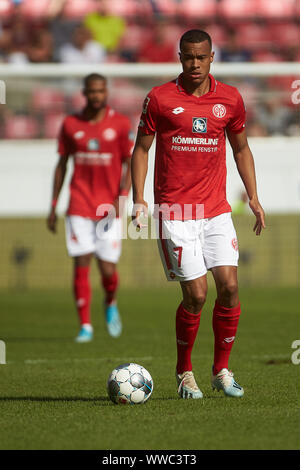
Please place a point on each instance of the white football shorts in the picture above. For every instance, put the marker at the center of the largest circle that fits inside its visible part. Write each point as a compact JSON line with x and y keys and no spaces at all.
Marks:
{"x":103,"y":238}
{"x":188,"y":249}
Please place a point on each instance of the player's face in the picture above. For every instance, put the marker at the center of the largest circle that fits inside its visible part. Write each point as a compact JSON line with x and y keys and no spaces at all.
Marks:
{"x":196,"y":59}
{"x":96,"y":94}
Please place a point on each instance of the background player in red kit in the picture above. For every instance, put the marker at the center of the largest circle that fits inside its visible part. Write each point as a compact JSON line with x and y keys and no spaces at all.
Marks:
{"x":190,"y":117}
{"x":99,"y":139}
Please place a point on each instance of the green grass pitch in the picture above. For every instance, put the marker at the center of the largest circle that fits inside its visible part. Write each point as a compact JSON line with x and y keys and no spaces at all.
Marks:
{"x":53,"y":391}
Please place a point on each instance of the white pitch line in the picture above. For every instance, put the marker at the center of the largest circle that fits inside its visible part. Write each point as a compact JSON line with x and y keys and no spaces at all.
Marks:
{"x":83,"y":359}
{"x":123,"y":360}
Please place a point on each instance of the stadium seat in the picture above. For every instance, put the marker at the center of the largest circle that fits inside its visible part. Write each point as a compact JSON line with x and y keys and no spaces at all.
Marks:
{"x":6,"y":8}
{"x":48,"y":99}
{"x":237,"y":9}
{"x":77,"y":102}
{"x":173,"y":33}
{"x":198,"y":9}
{"x":77,"y":9}
{"x":126,"y":97}
{"x":166,"y":7}
{"x":218,"y":34}
{"x":285,"y":34}
{"x":253,"y":36}
{"x":35,"y":9}
{"x":52,"y":125}
{"x":276,"y":9}
{"x":125,"y":8}
{"x":265,"y":55}
{"x":134,"y":35}
{"x":21,"y":127}
{"x":297,"y":9}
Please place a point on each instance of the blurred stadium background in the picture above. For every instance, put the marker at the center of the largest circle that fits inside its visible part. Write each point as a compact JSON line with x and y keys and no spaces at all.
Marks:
{"x":47,"y":46}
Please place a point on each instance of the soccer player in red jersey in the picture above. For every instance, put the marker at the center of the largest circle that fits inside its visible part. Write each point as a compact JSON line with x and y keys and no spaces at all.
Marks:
{"x":191,"y":117}
{"x":100,"y":142}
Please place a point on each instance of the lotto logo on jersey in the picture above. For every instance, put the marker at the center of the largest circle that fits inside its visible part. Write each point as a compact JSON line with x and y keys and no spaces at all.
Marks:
{"x":199,"y":125}
{"x":93,"y":144}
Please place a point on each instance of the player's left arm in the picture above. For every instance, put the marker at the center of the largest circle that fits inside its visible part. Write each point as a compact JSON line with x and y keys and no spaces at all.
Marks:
{"x":246,"y":168}
{"x":125,"y":186}
{"x":126,"y":144}
{"x":126,"y":177}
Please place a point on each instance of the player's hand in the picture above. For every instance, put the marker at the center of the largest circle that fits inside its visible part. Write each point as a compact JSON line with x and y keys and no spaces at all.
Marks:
{"x":139,"y":208}
{"x":51,"y":221}
{"x":259,"y":214}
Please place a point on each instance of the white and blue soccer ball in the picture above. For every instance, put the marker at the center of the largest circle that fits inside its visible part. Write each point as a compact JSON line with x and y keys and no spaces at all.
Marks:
{"x":129,"y":383}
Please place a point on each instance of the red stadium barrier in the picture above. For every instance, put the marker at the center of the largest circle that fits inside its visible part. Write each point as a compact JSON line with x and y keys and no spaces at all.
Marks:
{"x":21,"y":127}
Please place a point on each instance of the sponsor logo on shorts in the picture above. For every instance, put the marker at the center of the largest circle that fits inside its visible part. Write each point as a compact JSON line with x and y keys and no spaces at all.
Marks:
{"x":234,"y":244}
{"x":73,"y":237}
{"x":199,"y":125}
{"x":219,"y":110}
{"x":172,"y":275}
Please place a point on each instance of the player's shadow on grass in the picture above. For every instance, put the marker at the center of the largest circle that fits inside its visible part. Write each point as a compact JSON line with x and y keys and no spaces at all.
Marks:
{"x":55,"y":399}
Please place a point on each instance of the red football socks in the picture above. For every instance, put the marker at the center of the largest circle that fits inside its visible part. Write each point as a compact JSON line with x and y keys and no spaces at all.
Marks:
{"x":110,"y":285}
{"x":187,"y":325}
{"x":82,"y":292}
{"x":225,"y":323}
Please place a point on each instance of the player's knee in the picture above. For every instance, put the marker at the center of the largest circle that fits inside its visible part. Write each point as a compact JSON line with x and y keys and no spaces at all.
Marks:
{"x":229,"y":290}
{"x":196,"y":301}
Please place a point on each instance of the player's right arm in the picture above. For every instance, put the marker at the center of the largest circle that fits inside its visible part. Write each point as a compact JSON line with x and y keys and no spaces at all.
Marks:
{"x":64,"y":150}
{"x":139,"y":168}
{"x":59,"y":177}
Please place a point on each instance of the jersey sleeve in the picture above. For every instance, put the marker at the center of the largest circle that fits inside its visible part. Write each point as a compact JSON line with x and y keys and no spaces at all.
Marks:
{"x":237,"y":122}
{"x":148,"y":121}
{"x":64,"y":141}
{"x":127,"y":140}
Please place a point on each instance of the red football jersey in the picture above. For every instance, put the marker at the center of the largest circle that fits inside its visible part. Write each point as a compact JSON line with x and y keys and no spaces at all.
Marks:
{"x":190,"y":158}
{"x":98,"y":150}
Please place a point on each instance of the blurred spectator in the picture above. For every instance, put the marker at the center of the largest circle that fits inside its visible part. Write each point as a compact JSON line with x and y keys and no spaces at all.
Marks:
{"x":274,"y":116}
{"x":82,"y":49}
{"x":40,"y":48}
{"x":106,"y":29}
{"x":15,"y":38}
{"x":234,"y":51}
{"x":158,"y":48}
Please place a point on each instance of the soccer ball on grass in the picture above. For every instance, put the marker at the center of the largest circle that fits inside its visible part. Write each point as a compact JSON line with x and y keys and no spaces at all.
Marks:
{"x":129,"y":383}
